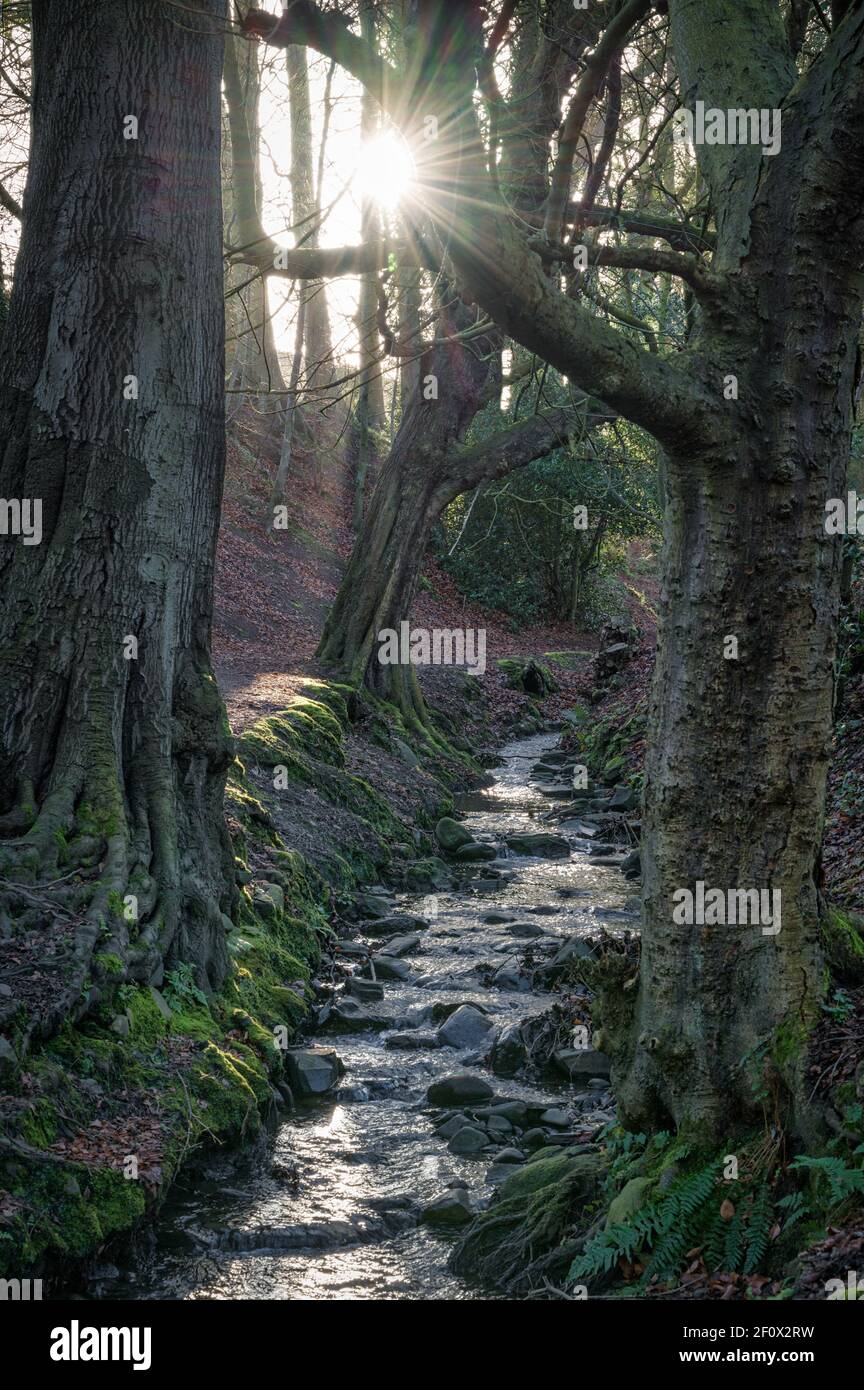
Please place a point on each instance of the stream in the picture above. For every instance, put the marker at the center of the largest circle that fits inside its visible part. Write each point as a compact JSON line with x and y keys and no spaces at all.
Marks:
{"x":330,"y":1209}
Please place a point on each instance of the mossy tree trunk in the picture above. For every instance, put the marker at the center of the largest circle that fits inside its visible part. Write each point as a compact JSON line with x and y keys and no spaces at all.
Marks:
{"x":113,"y":739}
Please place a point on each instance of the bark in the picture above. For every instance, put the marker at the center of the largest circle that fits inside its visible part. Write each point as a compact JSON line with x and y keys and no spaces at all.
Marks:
{"x":255,"y":363}
{"x":106,"y":761}
{"x":735,"y":777}
{"x":305,"y":209}
{"x":368,"y":413}
{"x":385,"y":564}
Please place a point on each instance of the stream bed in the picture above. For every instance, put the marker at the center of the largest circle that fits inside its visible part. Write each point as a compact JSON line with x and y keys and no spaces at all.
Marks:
{"x":331,"y":1207}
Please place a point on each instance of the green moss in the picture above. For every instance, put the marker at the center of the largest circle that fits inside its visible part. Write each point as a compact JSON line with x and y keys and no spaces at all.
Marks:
{"x":529,"y":1224}
{"x":843,"y":945}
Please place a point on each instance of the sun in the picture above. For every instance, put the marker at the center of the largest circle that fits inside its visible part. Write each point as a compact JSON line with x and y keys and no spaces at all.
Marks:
{"x":385,"y":170}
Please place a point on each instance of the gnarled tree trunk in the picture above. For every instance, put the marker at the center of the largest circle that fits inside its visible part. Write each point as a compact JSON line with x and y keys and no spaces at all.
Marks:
{"x":113,"y":739}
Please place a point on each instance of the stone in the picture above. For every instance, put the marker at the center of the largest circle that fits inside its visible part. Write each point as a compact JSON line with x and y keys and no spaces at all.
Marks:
{"x":557,"y":1118}
{"x":161,"y":1004}
{"x":349,"y":1016}
{"x":534,"y":1138}
{"x":524,"y":929}
{"x":633,"y":861}
{"x":573,"y":950}
{"x":412,"y":1041}
{"x":393,"y":924}
{"x":388,"y":968}
{"x":513,"y":1110}
{"x":451,"y":1126}
{"x":352,"y":948}
{"x":8,"y":1059}
{"x":425,"y":875}
{"x":365,"y":990}
{"x":452,"y":1208}
{"x":269,"y":899}
{"x":541,"y":844}
{"x":459,"y":1089}
{"x":372,"y":904}
{"x":582,"y":1063}
{"x":498,"y":1125}
{"x":632,"y":1196}
{"x":313,"y":1070}
{"x":468,"y":1140}
{"x":510,"y":1155}
{"x":475,"y":853}
{"x":400,"y":946}
{"x":509,"y":977}
{"x":623,"y":799}
{"x":405,"y":752}
{"x":509,"y":1052}
{"x":497,"y":917}
{"x":451,"y":835}
{"x":120,"y":1025}
{"x":467,"y":1027}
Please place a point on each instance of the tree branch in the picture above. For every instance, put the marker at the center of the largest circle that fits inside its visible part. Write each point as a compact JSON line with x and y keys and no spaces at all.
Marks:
{"x":588,"y":87}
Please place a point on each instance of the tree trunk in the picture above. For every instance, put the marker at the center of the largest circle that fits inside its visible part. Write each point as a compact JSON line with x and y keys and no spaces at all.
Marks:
{"x":739,"y":747}
{"x":412,"y":490}
{"x":255,"y":367}
{"x":305,"y":209}
{"x":114,"y":739}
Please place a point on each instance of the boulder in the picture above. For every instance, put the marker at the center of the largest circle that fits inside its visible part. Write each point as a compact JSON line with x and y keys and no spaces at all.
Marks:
{"x":623,"y":799}
{"x":581,"y":1063}
{"x":632,"y":1196}
{"x":412,"y":1041}
{"x":349,"y":1016}
{"x":541,"y":843}
{"x":400,"y":946}
{"x":269,"y":900}
{"x":509,"y":977}
{"x":468,"y":1140}
{"x":451,"y":835}
{"x":313,"y":1070}
{"x":389,"y":968}
{"x":365,"y":990}
{"x":524,"y":929}
{"x":426,"y":875}
{"x":393,"y":924}
{"x":451,"y":1209}
{"x":509,"y":1052}
{"x":475,"y":853}
{"x":459,"y":1089}
{"x":466,"y":1027}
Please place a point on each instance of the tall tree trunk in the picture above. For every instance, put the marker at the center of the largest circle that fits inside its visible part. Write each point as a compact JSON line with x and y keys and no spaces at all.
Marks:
{"x":305,"y":209}
{"x":255,"y":363}
{"x":739,"y":747}
{"x":114,"y":740}
{"x":368,"y":412}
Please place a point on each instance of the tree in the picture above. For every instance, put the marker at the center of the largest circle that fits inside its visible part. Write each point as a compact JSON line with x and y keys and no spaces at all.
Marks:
{"x":735,"y":781}
{"x":114,"y":744}
{"x":255,"y":367}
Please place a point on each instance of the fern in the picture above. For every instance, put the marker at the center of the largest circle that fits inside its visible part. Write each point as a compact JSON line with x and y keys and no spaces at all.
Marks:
{"x":758,"y":1228}
{"x":842,"y":1182}
{"x":666,"y":1226}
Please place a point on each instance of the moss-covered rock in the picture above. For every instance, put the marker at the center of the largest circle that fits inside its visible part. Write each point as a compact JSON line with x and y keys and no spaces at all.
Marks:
{"x":530,"y":1229}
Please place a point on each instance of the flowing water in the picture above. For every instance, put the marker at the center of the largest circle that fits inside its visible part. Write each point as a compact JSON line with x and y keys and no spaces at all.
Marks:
{"x":339,"y":1188}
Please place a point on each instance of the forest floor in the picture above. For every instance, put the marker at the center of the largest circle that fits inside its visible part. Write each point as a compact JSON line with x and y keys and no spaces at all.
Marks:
{"x":273,"y":589}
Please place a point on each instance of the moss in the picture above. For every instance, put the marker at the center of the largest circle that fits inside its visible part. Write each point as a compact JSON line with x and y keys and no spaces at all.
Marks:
{"x":526,"y":1232}
{"x":844,"y":946}
{"x":39,"y":1123}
